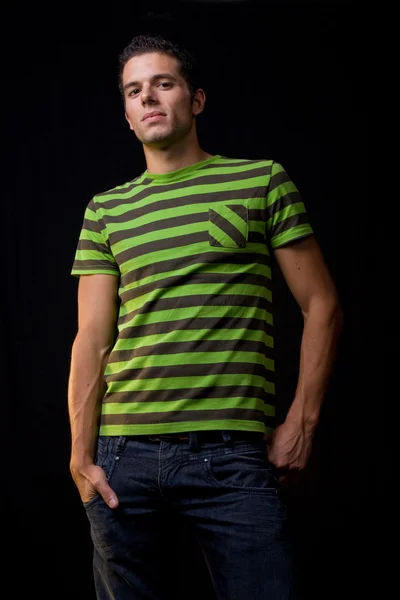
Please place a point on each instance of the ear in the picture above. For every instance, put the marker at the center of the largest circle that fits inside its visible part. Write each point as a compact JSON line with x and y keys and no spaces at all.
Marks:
{"x":130,"y":124}
{"x":199,"y":101}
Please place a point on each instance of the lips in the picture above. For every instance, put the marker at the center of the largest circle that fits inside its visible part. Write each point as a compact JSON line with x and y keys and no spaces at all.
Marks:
{"x":153,"y":114}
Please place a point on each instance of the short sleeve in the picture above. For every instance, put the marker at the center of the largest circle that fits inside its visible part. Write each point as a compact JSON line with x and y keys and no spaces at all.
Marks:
{"x":287,"y":219}
{"x":93,"y":253}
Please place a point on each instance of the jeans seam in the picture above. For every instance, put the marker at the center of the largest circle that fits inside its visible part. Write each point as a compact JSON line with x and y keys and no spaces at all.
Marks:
{"x":159,"y":471}
{"x":218,"y":597}
{"x":218,"y":484}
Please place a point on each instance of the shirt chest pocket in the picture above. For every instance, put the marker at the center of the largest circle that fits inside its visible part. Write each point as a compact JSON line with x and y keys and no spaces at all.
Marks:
{"x":228,"y":225}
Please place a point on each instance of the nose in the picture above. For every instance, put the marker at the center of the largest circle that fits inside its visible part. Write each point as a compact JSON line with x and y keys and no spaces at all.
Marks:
{"x":148,"y":95}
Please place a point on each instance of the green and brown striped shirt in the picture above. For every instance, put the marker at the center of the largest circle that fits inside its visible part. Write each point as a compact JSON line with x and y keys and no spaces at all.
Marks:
{"x":192,"y":249}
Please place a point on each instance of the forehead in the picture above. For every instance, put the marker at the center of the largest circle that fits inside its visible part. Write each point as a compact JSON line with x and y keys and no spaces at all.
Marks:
{"x":144,"y":66}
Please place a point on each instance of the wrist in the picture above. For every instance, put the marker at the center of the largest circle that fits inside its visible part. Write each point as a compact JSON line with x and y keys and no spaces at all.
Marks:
{"x":308,"y":417}
{"x":79,"y":463}
{"x":82,"y":455}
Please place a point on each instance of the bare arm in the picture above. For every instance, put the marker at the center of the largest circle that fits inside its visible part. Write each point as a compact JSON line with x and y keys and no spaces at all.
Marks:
{"x":97,"y":312}
{"x":310,"y":282}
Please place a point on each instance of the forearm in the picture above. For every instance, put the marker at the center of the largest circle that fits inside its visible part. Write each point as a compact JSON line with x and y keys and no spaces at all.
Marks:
{"x":85,"y":389}
{"x":318,"y":348}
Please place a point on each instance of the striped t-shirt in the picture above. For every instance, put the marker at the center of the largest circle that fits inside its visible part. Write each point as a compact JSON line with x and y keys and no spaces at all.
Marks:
{"x":192,"y":250}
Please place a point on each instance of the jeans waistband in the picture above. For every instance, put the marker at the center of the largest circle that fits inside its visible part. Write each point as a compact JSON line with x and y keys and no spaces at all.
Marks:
{"x":207,"y":436}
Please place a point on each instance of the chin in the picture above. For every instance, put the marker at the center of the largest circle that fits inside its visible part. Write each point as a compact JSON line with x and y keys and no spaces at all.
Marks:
{"x":162,"y":139}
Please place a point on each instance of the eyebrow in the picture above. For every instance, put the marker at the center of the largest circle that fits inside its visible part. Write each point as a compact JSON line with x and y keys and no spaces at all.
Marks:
{"x":131,"y":84}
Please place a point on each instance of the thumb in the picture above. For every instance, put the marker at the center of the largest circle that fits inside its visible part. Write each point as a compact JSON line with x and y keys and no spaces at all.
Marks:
{"x":107,"y":493}
{"x":267,"y":438}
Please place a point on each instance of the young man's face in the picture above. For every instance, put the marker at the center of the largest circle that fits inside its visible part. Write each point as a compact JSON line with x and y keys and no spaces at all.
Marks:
{"x":145,"y":91}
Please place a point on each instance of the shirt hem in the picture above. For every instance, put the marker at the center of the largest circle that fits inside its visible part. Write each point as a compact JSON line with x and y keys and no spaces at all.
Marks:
{"x":159,"y":428}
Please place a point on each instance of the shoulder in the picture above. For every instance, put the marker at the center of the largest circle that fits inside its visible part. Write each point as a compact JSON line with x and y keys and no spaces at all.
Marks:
{"x":250,"y":167}
{"x":233,"y":161}
{"x":118,"y":192}
{"x":119,"y":189}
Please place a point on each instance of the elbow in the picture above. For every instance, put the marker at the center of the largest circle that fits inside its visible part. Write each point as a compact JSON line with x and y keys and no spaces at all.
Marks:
{"x":334,"y":314}
{"x":337,"y":318}
{"x":327,"y":312}
{"x":94,"y":342}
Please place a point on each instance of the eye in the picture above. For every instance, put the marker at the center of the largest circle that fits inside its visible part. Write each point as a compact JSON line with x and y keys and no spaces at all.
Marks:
{"x":135,"y":91}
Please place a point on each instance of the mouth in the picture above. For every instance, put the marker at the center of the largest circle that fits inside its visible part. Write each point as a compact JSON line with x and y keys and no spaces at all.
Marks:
{"x":153,"y":117}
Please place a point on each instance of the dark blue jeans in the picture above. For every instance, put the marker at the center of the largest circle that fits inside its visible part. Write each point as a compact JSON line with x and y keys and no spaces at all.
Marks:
{"x":227,"y":493}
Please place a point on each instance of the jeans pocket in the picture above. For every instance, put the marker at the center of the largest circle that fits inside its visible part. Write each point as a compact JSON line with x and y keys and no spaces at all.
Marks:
{"x":105,"y":458}
{"x":247,"y":470}
{"x":228,"y":225}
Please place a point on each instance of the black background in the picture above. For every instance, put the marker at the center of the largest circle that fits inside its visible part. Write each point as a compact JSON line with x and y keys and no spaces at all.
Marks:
{"x":283,"y":80}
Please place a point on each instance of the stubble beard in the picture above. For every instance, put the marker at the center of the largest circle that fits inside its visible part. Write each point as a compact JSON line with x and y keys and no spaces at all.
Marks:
{"x":179,"y":131}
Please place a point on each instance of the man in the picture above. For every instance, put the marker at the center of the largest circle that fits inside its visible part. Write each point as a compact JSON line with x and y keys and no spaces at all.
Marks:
{"x":171,"y":391}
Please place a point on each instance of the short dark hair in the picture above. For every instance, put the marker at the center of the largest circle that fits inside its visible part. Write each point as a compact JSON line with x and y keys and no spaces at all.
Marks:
{"x":145,"y":43}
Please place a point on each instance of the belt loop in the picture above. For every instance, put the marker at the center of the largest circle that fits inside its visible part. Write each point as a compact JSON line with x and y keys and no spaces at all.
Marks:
{"x":227,"y":438}
{"x":193,"y":441}
{"x":120,"y":444}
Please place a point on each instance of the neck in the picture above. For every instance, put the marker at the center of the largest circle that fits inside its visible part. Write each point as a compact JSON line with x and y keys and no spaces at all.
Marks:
{"x":173,"y":158}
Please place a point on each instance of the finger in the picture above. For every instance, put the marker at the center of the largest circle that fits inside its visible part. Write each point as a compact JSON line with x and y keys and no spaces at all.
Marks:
{"x":109,"y":496}
{"x":269,"y":451}
{"x":290,"y":478}
{"x":295,"y":477}
{"x":107,"y":493}
{"x":88,"y":494}
{"x":284,"y":480}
